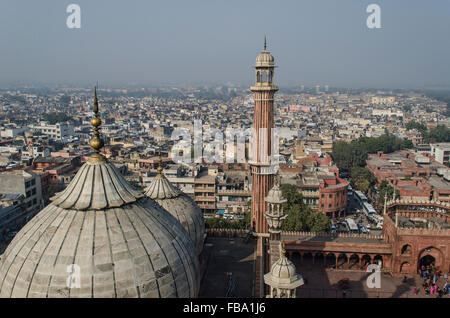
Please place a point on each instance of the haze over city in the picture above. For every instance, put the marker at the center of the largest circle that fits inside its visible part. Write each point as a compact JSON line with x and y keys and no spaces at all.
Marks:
{"x":201,"y":41}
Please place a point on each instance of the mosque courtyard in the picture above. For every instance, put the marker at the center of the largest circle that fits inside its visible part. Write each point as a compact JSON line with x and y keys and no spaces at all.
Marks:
{"x":229,"y":268}
{"x":322,"y":283}
{"x":228,"y":272}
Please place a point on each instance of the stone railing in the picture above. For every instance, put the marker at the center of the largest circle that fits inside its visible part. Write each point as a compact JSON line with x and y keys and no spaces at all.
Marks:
{"x":421,"y":231}
{"x":226,"y":232}
{"x":336,"y":235}
{"x":424,"y":214}
{"x":442,"y":204}
{"x":242,"y":233}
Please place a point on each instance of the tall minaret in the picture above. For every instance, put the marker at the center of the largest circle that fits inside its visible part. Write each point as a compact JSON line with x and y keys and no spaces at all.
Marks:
{"x":263,"y":122}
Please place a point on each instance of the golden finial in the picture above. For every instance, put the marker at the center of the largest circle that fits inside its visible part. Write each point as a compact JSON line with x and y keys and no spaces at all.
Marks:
{"x":160,"y":168}
{"x":96,"y":143}
{"x":283,"y":250}
{"x":277,"y":180}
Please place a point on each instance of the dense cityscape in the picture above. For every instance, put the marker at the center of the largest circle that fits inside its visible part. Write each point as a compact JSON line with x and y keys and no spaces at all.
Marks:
{"x":400,"y":140}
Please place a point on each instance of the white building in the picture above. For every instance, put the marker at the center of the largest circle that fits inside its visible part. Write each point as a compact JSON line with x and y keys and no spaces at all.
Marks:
{"x":441,"y":152}
{"x":59,"y":131}
{"x":12,"y":132}
{"x":23,"y":182}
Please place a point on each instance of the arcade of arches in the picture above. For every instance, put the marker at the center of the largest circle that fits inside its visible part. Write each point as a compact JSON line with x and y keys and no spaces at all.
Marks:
{"x":399,"y":250}
{"x":349,"y":261}
{"x":357,"y":257}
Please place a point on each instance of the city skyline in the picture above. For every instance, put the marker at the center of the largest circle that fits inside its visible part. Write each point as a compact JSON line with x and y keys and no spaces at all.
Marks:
{"x":326,"y":43}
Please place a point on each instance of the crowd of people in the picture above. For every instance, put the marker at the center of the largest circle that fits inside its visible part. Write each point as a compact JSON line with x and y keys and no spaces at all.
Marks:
{"x":430,"y":278}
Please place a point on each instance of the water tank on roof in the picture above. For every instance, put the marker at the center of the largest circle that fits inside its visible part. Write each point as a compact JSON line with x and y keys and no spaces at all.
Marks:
{"x":422,"y":159}
{"x":447,"y":175}
{"x":441,"y":171}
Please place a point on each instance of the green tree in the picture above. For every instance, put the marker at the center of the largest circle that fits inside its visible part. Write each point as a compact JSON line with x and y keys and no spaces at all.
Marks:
{"x":300,"y":217}
{"x":438,"y":134}
{"x":362,"y":179}
{"x":385,"y":189}
{"x":415,"y":125}
{"x":354,"y":154}
{"x":319,"y":222}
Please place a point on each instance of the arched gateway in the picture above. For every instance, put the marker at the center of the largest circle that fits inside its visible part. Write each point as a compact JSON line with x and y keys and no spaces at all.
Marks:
{"x":430,"y":256}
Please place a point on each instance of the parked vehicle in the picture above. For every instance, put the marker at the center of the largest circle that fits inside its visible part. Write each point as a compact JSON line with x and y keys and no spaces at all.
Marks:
{"x":333,"y":228}
{"x":352,"y":226}
{"x":362,"y":229}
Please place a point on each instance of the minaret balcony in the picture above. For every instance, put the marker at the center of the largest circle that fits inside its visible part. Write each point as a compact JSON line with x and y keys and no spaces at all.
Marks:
{"x":261,"y":87}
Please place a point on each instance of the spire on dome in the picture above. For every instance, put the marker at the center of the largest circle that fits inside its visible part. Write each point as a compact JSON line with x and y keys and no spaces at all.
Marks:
{"x":265,"y":42}
{"x":276,"y":180}
{"x":96,"y":143}
{"x":160,"y":168}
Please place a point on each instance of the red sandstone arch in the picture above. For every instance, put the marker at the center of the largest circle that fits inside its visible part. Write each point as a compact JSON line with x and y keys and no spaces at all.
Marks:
{"x":405,"y":268}
{"x":406,"y":249}
{"x":319,"y":258}
{"x":365,"y":259}
{"x":433,"y":252}
{"x":341,"y":260}
{"x":330,"y":260}
{"x":353,"y":261}
{"x":377,"y":259}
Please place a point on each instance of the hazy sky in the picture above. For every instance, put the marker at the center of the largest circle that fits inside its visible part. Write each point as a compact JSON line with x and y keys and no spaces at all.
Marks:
{"x":203,"y":41}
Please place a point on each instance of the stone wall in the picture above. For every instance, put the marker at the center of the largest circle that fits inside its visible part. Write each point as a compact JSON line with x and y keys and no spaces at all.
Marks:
{"x":226,"y":232}
{"x":243,"y":233}
{"x":320,"y":234}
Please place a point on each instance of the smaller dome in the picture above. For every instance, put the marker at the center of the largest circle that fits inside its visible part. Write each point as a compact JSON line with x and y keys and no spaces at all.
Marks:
{"x":283,"y":274}
{"x":265,"y":59}
{"x":180,"y":206}
{"x":275,"y":195}
{"x":284,"y":269}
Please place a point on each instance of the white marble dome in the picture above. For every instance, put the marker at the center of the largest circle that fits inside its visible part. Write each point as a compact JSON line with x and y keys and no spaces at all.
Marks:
{"x":265,"y":59}
{"x":181,"y":206}
{"x":283,"y":274}
{"x":124,"y":244}
{"x":275,"y":195}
